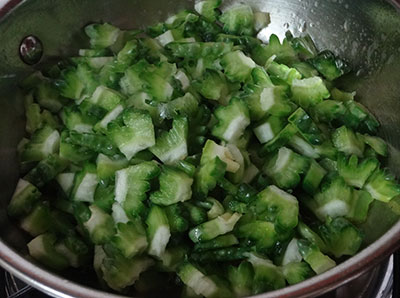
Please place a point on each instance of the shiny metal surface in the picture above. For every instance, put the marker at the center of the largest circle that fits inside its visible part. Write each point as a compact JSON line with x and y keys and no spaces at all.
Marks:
{"x":366,"y":33}
{"x":31,"y":50}
{"x":376,"y":283}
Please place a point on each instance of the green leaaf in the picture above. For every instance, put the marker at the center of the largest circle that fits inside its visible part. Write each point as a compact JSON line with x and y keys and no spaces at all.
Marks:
{"x":192,"y":156}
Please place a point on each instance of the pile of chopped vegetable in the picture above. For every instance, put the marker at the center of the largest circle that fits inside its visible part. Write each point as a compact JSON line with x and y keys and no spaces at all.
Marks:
{"x":191,"y":156}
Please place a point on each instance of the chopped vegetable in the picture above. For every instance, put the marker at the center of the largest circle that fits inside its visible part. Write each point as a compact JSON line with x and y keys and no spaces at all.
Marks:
{"x":297,"y":272}
{"x":207,"y":8}
{"x":42,"y":249}
{"x":356,"y":173}
{"x":43,"y":142}
{"x":175,"y":186}
{"x":131,"y":186}
{"x":237,"y":66}
{"x":329,"y":66}
{"x":312,"y":255}
{"x":241,"y":278}
{"x":267,"y":276}
{"x":133,"y":133}
{"x":171,"y":146}
{"x":232,"y":121}
{"x":285,"y":168}
{"x":382,"y":185}
{"x":215,"y":227}
{"x":200,"y":283}
{"x":309,"y":92}
{"x":238,"y":20}
{"x":341,"y":237}
{"x":196,"y":158}
{"x":130,"y":239}
{"x":158,"y":231}
{"x":273,"y":204}
{"x":346,"y":141}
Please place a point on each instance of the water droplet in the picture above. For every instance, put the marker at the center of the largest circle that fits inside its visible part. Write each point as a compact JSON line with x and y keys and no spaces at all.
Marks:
{"x":312,"y":10}
{"x":286,"y":25}
{"x":346,"y":6}
{"x":346,"y":26}
{"x":302,"y":26}
{"x":311,"y":25}
{"x":316,"y":3}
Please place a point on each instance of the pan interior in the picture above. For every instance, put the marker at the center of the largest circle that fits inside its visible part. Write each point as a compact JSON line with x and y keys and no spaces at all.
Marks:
{"x":365,"y":33}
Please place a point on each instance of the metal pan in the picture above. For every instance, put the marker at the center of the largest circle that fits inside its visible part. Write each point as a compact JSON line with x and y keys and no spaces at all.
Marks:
{"x":365,"y":32}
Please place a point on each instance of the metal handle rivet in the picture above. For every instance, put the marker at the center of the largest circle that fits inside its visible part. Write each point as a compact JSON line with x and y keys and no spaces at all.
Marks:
{"x":31,"y":50}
